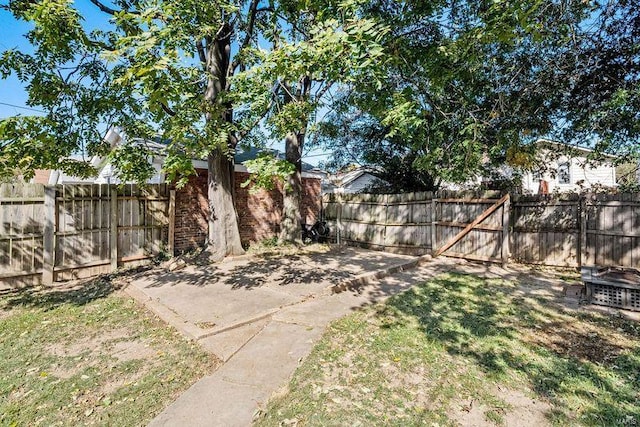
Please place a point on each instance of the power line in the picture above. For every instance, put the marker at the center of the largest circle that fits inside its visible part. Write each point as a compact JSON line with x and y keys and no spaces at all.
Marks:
{"x":18,"y":106}
{"x":317,"y":155}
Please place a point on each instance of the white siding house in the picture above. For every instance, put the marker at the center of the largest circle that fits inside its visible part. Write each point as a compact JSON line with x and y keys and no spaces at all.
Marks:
{"x":108,"y":175}
{"x":567,"y":169}
{"x":355,"y":181}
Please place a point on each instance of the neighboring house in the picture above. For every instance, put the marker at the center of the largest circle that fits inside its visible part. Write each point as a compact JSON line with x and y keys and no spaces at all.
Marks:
{"x":355,"y":181}
{"x":567,"y":169}
{"x":107,"y":174}
{"x":243,"y":155}
{"x":53,"y":177}
{"x":562,"y":168}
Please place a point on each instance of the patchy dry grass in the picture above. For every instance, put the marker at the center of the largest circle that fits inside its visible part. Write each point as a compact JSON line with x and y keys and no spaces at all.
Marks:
{"x":87,"y":356}
{"x":460,"y":350}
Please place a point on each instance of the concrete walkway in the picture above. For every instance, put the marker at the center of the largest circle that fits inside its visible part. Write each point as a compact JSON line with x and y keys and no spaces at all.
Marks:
{"x":204,"y":301}
{"x":263,"y":317}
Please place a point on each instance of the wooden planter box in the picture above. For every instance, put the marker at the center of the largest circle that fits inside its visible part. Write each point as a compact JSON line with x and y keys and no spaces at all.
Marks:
{"x":612,"y":287}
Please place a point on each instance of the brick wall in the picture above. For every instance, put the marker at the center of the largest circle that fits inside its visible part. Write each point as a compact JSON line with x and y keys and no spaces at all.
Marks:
{"x":259,"y":214}
{"x":192,"y":209}
{"x":311,"y":199}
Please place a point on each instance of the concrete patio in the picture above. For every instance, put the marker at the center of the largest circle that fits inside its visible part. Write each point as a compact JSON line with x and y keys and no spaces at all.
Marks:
{"x":263,"y":315}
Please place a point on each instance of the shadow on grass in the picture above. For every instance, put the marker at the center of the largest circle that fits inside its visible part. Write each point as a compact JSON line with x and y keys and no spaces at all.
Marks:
{"x":573,"y":360}
{"x":79,"y":292}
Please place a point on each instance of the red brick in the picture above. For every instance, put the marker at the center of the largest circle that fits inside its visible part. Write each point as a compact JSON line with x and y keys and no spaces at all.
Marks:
{"x":259,"y":214}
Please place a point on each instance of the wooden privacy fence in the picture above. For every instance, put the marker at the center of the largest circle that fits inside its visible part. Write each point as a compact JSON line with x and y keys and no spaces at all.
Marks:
{"x":51,"y":233}
{"x":567,"y":230}
{"x":419,"y":223}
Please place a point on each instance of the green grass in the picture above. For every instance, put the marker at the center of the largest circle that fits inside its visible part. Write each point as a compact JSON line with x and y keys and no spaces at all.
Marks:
{"x":88,"y":356}
{"x":459,"y":341}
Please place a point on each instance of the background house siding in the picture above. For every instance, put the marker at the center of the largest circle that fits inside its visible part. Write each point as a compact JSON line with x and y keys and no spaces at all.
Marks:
{"x":581,"y":175}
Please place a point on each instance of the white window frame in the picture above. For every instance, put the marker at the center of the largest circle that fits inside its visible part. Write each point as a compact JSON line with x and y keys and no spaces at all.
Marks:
{"x":564,"y":173}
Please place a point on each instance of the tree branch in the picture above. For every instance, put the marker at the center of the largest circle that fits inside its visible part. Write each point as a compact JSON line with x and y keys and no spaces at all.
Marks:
{"x":201,"y":53}
{"x":253,"y":11}
{"x":246,"y":131}
{"x":104,"y":8}
{"x":322,"y":90}
{"x":167,"y":110}
{"x":109,"y":10}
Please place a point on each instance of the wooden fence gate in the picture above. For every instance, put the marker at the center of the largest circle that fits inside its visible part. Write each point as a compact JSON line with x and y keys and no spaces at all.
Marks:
{"x":471,"y":228}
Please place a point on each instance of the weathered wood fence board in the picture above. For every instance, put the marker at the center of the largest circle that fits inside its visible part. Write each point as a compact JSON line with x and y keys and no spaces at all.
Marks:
{"x":64,"y":232}
{"x":394,"y":222}
{"x":566,"y":230}
{"x":21,"y":230}
{"x":613,"y":230}
{"x":454,"y":214}
{"x":546,"y":230}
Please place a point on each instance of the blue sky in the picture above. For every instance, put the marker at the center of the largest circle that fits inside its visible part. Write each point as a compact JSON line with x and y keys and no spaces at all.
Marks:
{"x":11,"y":90}
{"x":12,"y":36}
{"x":13,"y":97}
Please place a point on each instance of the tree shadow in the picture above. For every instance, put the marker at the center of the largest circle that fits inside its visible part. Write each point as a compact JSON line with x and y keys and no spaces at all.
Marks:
{"x":296,"y":269}
{"x":79,"y":292}
{"x":51,"y":298}
{"x":293,"y":269}
{"x":563,"y":355}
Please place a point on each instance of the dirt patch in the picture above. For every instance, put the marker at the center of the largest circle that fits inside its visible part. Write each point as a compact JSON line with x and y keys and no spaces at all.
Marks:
{"x":115,"y":384}
{"x":114,"y":343}
{"x":580,"y":340}
{"x":132,"y":350}
{"x":4,"y":314}
{"x":517,"y":409}
{"x":91,"y":345}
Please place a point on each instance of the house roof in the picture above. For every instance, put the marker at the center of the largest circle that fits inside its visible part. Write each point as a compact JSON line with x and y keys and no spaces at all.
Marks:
{"x":348,"y":177}
{"x":244,"y":154}
{"x":159,"y":145}
{"x":569,"y":147}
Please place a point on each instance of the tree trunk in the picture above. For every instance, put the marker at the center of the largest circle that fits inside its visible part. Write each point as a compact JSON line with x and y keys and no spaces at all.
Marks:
{"x":290,"y":231}
{"x":224,"y":235}
{"x":292,"y":213}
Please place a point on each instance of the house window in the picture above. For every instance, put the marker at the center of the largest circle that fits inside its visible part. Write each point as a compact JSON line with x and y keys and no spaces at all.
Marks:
{"x":564,"y":175}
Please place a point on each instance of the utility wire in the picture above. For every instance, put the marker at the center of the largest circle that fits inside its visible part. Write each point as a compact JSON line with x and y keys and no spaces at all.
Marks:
{"x":317,"y":155}
{"x":18,"y":106}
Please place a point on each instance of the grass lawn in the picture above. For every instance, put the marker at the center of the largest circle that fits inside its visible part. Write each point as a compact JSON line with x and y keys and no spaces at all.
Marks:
{"x":89,"y":356}
{"x":464,"y":350}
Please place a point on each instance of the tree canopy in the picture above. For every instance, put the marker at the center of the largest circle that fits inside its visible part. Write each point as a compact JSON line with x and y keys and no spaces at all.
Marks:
{"x":474,"y":83}
{"x":202,"y":75}
{"x":436,"y":88}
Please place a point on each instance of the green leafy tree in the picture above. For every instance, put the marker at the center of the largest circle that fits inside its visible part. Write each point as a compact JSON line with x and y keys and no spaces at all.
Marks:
{"x":325,"y":45}
{"x":476,"y":82}
{"x":170,"y":68}
{"x":163,"y":67}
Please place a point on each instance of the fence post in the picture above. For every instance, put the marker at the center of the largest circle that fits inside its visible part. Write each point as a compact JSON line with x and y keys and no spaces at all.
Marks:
{"x":113,"y":227}
{"x":172,"y":221}
{"x":434,"y":246}
{"x":385,"y":201}
{"x":339,"y":220}
{"x":582,"y":241}
{"x":49,"y":235}
{"x":506,"y":218}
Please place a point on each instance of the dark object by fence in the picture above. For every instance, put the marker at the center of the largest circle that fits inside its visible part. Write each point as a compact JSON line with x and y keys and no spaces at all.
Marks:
{"x":612,"y":286}
{"x":318,"y":232}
